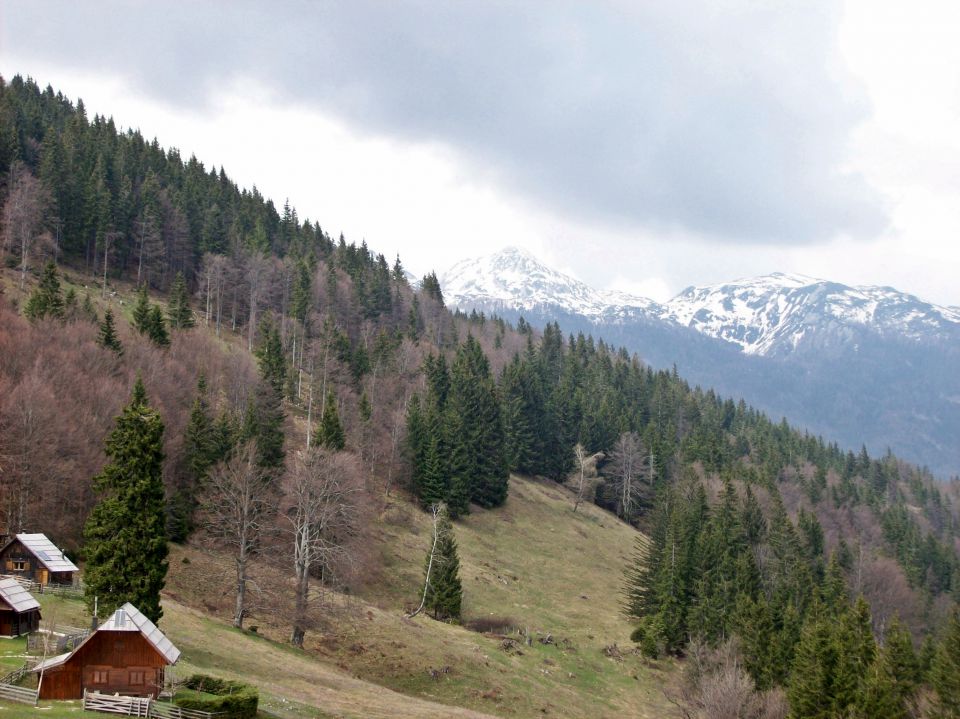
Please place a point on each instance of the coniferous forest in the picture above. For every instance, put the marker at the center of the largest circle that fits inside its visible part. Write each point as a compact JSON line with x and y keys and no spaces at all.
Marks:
{"x":309,"y":371}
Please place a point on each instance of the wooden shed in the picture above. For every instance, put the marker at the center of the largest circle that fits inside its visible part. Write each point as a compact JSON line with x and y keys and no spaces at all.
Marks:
{"x":19,"y":611}
{"x":126,"y":655}
{"x":35,"y":557}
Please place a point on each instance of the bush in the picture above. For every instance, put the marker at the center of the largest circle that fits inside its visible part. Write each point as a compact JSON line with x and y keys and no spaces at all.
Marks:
{"x":234,"y":700}
{"x":649,"y":636}
{"x":495,"y":625}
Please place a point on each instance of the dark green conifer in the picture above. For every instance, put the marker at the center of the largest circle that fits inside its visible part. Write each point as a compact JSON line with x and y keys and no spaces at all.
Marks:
{"x":443,"y":590}
{"x":71,"y":307}
{"x":329,"y":434}
{"x":945,"y":672}
{"x":178,"y":311}
{"x":366,"y":412}
{"x":474,"y":427}
{"x":125,"y":539}
{"x":87,"y":309}
{"x":46,"y":300}
{"x":107,"y":337}
{"x":141,"y":312}
{"x":157,"y":327}
{"x":879,"y":698}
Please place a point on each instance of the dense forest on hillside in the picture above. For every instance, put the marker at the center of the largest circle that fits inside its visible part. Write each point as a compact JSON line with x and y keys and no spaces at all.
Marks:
{"x":262,"y":341}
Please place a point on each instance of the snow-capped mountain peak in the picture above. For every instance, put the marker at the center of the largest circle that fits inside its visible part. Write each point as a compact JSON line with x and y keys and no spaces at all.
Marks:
{"x":771,"y":314}
{"x":515,"y":279}
{"x":774,"y":313}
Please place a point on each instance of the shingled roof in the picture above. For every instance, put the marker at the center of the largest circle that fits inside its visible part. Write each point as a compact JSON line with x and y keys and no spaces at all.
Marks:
{"x":16,"y":595}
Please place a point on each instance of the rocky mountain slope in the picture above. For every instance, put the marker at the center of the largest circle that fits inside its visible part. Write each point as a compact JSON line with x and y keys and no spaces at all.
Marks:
{"x":867,"y":365}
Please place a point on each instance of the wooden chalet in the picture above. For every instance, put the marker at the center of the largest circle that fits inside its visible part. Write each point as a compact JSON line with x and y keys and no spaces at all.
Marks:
{"x":126,"y":655}
{"x":35,"y":557}
{"x":19,"y":611}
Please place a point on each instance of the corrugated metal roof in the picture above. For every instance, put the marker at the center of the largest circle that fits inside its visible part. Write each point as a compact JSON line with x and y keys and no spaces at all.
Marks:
{"x":47,"y":552}
{"x":14,"y":594}
{"x":51,"y":662}
{"x":126,"y":619}
{"x":129,"y":619}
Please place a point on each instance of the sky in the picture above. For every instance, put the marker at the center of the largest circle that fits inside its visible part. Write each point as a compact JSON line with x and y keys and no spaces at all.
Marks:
{"x":639,"y":146}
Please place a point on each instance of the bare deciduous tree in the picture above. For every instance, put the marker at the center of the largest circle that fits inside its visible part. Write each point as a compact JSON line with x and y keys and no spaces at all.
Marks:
{"x":323,"y":516}
{"x":630,"y":467}
{"x":256,"y":271}
{"x":715,"y":685}
{"x":436,"y":511}
{"x":24,"y":215}
{"x":581,"y":456}
{"x":235,"y":509}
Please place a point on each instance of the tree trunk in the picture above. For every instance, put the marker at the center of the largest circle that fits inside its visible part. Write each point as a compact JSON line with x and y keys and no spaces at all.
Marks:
{"x":240,"y":608}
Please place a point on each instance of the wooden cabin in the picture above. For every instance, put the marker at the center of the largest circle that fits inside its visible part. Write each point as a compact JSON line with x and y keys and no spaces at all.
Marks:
{"x":35,"y":557}
{"x":19,"y":611}
{"x":126,"y":655}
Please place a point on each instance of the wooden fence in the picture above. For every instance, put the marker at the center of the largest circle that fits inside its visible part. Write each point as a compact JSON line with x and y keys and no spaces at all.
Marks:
{"x":16,"y":675}
{"x":18,"y":694}
{"x":66,"y":639}
{"x":64,"y":590}
{"x":139,"y":707}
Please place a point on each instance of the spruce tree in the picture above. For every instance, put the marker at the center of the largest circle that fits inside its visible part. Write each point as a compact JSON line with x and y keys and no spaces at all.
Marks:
{"x":46,"y":300}
{"x":107,"y":337}
{"x":879,"y":698}
{"x":474,"y":426}
{"x":200,"y":452}
{"x":88,"y":310}
{"x":442,"y":588}
{"x":157,"y":327}
{"x":179,"y":312}
{"x":125,"y":538}
{"x":329,"y":434}
{"x":141,"y":311}
{"x":904,"y":664}
{"x":945,"y":672}
{"x":265,"y":415}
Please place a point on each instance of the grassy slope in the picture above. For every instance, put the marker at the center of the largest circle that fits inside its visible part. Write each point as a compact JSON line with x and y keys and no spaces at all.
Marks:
{"x":534,"y":560}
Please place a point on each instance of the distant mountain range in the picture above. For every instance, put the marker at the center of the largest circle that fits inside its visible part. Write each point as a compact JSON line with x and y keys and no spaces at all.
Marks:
{"x":861,"y":365}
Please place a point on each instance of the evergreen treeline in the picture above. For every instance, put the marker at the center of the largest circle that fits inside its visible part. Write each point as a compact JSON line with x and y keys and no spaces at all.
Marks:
{"x":339,"y":336}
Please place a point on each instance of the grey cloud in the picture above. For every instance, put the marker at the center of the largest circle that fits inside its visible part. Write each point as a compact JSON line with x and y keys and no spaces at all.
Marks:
{"x":729,"y":120}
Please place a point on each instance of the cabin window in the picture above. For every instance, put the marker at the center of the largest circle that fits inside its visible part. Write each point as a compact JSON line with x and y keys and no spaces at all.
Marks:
{"x":101,"y":676}
{"x":19,"y":565}
{"x":136,"y":678}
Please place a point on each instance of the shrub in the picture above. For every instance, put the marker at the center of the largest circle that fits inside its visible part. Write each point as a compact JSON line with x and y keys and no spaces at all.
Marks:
{"x":495,"y":625}
{"x":234,"y":700}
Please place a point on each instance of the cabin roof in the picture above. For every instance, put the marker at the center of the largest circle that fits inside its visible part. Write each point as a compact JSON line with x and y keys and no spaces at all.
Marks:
{"x":51,"y":662}
{"x":46,"y":551}
{"x":16,"y":595}
{"x":126,"y":619}
{"x":129,"y":619}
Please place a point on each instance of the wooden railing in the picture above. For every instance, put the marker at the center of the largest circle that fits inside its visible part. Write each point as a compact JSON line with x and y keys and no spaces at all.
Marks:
{"x":18,"y":694}
{"x":139,"y":707}
{"x":66,"y":639}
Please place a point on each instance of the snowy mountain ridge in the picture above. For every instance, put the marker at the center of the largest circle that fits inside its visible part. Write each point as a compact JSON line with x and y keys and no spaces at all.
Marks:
{"x":515,"y":279}
{"x":771,"y":314}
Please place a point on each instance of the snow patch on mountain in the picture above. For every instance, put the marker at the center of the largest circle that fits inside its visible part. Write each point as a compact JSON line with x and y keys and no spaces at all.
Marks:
{"x":765,"y":315}
{"x":515,"y":279}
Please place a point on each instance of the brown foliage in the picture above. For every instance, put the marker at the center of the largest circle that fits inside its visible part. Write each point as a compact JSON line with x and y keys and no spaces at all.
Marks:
{"x":61,"y":395}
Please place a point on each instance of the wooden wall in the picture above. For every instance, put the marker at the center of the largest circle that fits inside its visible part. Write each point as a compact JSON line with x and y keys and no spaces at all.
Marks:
{"x":119,"y":658}
{"x":13,"y":624}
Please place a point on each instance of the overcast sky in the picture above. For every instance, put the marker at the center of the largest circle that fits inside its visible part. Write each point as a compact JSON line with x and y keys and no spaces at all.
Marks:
{"x":640,"y":146}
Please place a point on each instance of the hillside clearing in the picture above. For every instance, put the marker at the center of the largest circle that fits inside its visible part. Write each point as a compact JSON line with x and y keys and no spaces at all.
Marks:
{"x":561,"y":590}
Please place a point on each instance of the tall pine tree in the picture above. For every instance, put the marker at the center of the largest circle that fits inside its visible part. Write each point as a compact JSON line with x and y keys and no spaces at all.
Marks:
{"x":125,"y":536}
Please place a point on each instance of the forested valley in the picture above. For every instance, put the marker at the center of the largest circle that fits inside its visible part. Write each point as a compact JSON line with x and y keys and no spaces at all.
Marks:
{"x":786,"y":574}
